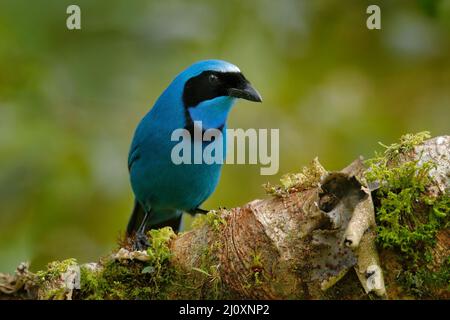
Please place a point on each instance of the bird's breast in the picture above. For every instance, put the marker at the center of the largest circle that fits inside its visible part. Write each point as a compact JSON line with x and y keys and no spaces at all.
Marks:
{"x":157,"y":180}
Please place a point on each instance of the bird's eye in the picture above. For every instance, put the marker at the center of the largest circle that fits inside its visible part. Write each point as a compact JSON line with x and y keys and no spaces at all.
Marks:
{"x":213,"y":79}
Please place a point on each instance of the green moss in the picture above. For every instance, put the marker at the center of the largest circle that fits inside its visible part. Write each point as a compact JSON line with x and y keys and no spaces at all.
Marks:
{"x":159,"y":251}
{"x":55,"y":269}
{"x":89,"y":284}
{"x":408,"y":217}
{"x":257,"y":269}
{"x":51,"y":281}
{"x":115,"y":281}
{"x":424,"y":283}
{"x":213,"y":219}
{"x":133,"y":280}
{"x":405,"y":145}
{"x":294,"y":182}
{"x":156,"y":279}
{"x":256,"y":274}
{"x":207,"y":275}
{"x":55,"y":294}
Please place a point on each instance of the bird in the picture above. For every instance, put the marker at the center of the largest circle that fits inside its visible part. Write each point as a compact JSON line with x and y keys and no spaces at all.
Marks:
{"x":205,"y":91}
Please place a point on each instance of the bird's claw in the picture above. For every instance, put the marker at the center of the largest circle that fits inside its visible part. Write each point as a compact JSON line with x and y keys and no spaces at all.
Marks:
{"x":140,"y":242}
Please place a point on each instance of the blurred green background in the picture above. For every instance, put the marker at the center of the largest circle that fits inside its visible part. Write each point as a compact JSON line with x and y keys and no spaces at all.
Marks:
{"x":70,"y":100}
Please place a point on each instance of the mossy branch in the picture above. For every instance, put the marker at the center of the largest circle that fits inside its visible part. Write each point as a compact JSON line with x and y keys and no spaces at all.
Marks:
{"x":386,"y":219}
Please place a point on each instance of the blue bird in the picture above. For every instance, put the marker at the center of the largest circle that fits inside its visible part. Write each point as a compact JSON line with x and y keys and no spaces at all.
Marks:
{"x":205,"y":91}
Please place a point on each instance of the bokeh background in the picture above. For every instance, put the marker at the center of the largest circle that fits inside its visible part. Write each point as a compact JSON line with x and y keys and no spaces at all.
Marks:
{"x":70,"y":100}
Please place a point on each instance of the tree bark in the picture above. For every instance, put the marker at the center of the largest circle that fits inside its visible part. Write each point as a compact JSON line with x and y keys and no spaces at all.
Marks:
{"x":313,"y":238}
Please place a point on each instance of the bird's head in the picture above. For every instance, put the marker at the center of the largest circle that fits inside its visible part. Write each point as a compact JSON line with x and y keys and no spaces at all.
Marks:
{"x":209,"y":90}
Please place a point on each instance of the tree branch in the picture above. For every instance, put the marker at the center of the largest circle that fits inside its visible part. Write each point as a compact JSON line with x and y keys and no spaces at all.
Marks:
{"x":314,"y":238}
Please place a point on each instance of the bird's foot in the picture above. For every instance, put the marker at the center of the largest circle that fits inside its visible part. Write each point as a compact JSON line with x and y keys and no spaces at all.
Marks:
{"x":140,"y":242}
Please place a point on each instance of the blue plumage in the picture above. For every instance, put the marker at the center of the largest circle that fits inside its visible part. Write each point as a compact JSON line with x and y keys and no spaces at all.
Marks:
{"x":206,"y":91}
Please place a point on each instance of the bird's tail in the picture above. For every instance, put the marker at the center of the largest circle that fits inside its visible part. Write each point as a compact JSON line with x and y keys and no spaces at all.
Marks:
{"x":137,"y":219}
{"x":137,"y":216}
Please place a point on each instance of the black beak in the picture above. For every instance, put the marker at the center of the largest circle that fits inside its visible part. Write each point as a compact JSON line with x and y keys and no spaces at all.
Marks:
{"x":246,"y":91}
